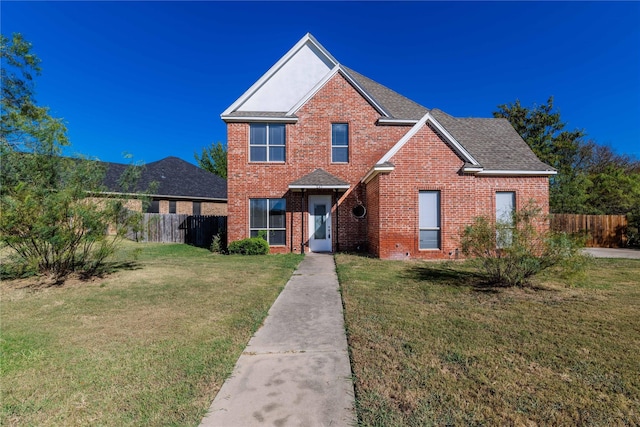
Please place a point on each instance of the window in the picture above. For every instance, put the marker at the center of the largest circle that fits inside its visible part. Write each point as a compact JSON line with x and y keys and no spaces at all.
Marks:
{"x":267,"y":142}
{"x":505,"y":208}
{"x":154,"y":206}
{"x":269,"y":217}
{"x":172,"y":206}
{"x":429,"y":219}
{"x":197,"y":208}
{"x":340,"y":143}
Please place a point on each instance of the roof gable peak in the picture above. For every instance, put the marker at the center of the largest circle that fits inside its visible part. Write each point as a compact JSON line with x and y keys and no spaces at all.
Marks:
{"x":288,"y":80}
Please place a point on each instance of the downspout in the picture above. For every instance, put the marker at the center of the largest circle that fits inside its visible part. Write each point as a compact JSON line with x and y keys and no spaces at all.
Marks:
{"x":291,"y":232}
{"x":336,"y":232}
{"x":302,"y":221}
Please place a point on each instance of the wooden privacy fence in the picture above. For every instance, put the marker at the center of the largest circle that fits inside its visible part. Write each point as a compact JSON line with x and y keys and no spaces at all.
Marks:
{"x":601,"y":231}
{"x":196,"y":230}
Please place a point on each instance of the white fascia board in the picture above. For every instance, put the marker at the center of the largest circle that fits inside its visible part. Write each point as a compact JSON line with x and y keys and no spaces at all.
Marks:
{"x":400,"y":122}
{"x":160,"y":196}
{"x":375,"y":171}
{"x":429,"y":118}
{"x":319,"y":187}
{"x":274,"y":69}
{"x":491,"y":172}
{"x":258,"y":119}
{"x":337,"y":69}
{"x":472,"y":170}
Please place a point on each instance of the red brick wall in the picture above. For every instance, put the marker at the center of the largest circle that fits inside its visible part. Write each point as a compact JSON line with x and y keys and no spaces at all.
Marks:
{"x":427,"y":163}
{"x":390,"y":228}
{"x":308,"y":146}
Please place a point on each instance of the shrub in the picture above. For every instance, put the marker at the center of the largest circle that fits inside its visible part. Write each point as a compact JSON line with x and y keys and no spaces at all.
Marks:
{"x":633,"y":228}
{"x":218,"y":244}
{"x":251,"y":246}
{"x":511,"y":253}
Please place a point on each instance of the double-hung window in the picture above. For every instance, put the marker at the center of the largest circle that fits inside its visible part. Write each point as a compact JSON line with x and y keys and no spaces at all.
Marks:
{"x":340,"y":143}
{"x":267,"y":142}
{"x":505,"y":208}
{"x":429,"y":219}
{"x":267,"y":218}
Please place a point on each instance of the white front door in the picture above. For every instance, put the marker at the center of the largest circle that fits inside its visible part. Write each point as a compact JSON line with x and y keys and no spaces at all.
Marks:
{"x":320,"y":223}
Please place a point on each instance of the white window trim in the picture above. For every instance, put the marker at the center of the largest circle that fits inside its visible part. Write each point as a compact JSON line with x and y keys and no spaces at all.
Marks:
{"x":438,"y":229}
{"x":341,"y":146}
{"x":268,"y":144}
{"x":268,"y":228}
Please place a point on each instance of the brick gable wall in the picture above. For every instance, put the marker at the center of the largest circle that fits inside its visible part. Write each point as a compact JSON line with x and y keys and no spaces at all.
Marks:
{"x":427,"y":163}
{"x":390,"y":228}
{"x":308,"y":146}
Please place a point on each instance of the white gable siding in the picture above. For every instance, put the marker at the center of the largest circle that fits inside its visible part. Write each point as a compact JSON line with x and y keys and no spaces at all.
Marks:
{"x":291,"y":82}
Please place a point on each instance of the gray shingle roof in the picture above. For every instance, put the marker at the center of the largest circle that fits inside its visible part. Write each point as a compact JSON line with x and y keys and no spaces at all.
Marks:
{"x":319,"y":178}
{"x":494,"y":143}
{"x":398,"y":106}
{"x":175,"y":177}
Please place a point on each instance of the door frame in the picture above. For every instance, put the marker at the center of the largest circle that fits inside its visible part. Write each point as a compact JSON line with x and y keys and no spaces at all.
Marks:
{"x":321,"y":245}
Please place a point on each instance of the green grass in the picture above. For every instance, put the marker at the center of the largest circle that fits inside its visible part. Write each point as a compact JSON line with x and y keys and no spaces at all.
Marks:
{"x":149,"y":344}
{"x":430,"y":346}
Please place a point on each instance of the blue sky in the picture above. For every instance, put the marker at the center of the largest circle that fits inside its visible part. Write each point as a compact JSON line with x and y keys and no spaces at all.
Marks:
{"x":151,"y":78}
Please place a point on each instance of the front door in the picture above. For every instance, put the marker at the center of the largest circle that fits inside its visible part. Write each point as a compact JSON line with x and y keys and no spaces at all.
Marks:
{"x":320,"y":223}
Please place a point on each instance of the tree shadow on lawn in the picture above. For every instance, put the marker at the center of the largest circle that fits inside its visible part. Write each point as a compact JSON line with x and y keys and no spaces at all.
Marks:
{"x":17,"y":279}
{"x":452,"y":275}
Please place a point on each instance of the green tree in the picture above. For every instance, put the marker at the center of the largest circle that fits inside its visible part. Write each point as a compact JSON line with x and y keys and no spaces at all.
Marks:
{"x":543,"y":130}
{"x":213,"y":159}
{"x":47,"y":217}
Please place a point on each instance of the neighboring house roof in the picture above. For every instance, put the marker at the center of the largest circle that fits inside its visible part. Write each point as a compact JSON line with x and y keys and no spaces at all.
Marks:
{"x":175,"y":178}
{"x":486,"y":146}
{"x":319,"y":179}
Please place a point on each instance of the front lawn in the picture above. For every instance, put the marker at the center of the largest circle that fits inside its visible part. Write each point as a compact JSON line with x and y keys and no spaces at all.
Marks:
{"x":148,"y":345}
{"x":429,"y":348}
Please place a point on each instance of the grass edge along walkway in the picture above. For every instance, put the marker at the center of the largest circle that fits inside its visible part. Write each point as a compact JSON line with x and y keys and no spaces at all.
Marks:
{"x":429,"y":348}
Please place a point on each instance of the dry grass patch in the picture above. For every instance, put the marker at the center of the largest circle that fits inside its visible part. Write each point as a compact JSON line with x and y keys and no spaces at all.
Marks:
{"x":430,"y":346}
{"x":149,"y":344}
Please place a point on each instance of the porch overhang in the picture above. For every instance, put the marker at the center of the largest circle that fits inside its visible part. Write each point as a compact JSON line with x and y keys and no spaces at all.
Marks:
{"x":319,"y":179}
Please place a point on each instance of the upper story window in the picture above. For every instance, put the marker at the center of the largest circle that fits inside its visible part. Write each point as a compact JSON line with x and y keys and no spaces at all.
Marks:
{"x":267,"y":142}
{"x":340,"y":143}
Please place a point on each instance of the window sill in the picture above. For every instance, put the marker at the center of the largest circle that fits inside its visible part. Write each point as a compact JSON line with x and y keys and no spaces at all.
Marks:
{"x":266,"y":163}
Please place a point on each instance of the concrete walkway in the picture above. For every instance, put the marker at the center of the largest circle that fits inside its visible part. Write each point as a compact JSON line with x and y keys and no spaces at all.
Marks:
{"x":295,"y":371}
{"x":613,"y":253}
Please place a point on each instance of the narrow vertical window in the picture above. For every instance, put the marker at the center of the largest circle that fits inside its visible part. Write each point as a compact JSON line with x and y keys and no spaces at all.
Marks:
{"x":197,"y":208}
{"x":267,"y":142}
{"x":267,"y":217}
{"x":340,"y":143}
{"x":429,"y":219}
{"x":505,"y":209}
{"x":172,"y":206}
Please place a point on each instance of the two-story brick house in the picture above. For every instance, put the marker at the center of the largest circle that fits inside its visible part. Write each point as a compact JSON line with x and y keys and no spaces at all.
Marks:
{"x":321,"y":158}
